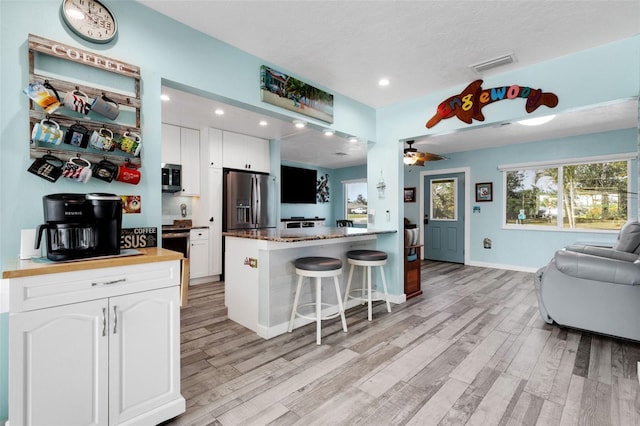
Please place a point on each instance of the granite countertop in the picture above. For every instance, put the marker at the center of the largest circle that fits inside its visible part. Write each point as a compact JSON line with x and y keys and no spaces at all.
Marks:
{"x":24,"y":268}
{"x":304,"y":234}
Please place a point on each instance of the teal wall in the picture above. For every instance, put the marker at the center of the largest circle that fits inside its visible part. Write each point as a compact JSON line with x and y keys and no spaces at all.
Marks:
{"x":166,"y":49}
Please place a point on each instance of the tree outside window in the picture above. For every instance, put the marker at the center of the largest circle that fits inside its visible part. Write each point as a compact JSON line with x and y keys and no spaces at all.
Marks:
{"x":593,"y":196}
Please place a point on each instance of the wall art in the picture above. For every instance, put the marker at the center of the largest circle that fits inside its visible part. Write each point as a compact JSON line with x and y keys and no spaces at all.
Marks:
{"x":277,"y":88}
{"x":467,"y":106}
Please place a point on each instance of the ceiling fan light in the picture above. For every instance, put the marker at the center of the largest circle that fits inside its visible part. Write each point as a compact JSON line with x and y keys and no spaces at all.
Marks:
{"x":409,"y":158}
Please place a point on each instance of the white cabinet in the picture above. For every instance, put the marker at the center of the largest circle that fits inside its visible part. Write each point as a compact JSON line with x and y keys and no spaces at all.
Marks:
{"x":181,"y":145}
{"x":199,"y":253}
{"x":245,"y":152}
{"x":63,"y":360}
{"x":100,"y":346}
{"x":215,"y":148}
{"x":215,"y":221}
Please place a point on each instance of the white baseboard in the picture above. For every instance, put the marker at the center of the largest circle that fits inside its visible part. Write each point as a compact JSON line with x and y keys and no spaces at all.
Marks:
{"x":204,"y":280}
{"x":500,"y":266}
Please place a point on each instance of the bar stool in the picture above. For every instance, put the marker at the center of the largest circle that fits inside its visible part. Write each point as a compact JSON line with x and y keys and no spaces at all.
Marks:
{"x":367,"y":258}
{"x":318,"y":267}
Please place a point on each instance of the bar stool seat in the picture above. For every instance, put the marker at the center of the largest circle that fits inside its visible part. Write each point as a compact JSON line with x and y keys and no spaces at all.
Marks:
{"x":367,"y":258}
{"x":318,"y":267}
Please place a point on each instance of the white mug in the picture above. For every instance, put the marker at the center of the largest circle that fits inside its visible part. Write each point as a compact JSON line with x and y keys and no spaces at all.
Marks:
{"x":77,"y":101}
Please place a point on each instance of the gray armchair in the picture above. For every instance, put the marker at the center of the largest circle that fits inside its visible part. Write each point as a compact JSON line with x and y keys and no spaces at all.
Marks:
{"x":594,"y":288}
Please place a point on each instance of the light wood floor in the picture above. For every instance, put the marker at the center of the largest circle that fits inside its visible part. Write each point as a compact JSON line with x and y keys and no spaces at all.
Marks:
{"x":471,"y":350}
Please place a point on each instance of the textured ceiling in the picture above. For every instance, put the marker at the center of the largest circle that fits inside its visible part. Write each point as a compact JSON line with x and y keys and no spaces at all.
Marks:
{"x":420,"y":46}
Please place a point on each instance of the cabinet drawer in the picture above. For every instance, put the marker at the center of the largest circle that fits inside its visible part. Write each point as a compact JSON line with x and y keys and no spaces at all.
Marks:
{"x":199,"y":234}
{"x":43,"y":291}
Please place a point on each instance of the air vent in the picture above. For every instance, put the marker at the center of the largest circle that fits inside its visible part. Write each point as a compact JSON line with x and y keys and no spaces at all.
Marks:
{"x":481,"y":67}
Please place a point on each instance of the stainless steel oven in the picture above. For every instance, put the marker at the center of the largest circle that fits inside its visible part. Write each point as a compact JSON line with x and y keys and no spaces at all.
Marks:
{"x":176,"y":240}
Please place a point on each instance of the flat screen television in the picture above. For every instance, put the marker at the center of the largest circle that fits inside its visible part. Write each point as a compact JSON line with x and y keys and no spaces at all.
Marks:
{"x":297,"y":185}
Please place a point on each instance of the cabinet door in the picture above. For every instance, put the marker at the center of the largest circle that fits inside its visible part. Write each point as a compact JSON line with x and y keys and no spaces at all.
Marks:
{"x":259,"y":160}
{"x":59,"y":365}
{"x":215,"y":221}
{"x":215,"y":148}
{"x":170,"y":148}
{"x":234,"y":151}
{"x":190,"y":157}
{"x":144,"y":352}
{"x":199,"y":253}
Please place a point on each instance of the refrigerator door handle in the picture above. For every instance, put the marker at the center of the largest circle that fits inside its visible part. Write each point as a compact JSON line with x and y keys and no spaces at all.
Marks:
{"x":256,"y":202}
{"x":254,"y":197}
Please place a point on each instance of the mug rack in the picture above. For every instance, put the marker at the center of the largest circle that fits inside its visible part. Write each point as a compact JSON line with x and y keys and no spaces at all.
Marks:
{"x":129,"y":104}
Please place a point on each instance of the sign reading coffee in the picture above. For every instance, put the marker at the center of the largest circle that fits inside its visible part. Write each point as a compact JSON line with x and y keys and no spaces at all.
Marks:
{"x":467,"y":106}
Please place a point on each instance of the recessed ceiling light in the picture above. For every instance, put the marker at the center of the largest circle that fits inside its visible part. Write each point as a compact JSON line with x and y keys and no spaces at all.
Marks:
{"x":299,"y":123}
{"x":537,"y":121}
{"x":328,"y":132}
{"x":383,"y":82}
{"x":263,"y":123}
{"x":353,"y":139}
{"x":165,"y":97}
{"x":219,"y":111}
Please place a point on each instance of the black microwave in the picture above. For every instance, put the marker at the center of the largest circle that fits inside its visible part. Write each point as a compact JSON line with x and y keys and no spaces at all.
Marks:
{"x":171,"y":177}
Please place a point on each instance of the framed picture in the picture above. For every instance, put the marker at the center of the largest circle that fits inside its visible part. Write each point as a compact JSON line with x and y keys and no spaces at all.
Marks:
{"x":410,"y":195}
{"x":279,"y":89}
{"x":484,"y":191}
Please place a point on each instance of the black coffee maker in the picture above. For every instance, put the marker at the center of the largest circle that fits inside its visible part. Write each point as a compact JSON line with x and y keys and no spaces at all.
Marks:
{"x":81,"y":225}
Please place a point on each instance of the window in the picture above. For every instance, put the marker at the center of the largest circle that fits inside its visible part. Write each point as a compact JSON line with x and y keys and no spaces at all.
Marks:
{"x":443,"y":199}
{"x":589,"y":195}
{"x":356,"y":201}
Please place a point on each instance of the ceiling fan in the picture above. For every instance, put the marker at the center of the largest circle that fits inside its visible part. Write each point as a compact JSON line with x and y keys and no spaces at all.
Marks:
{"x":413,"y":157}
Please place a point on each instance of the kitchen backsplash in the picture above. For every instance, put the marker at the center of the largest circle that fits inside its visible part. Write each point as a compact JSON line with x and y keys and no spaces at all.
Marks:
{"x":172,"y":208}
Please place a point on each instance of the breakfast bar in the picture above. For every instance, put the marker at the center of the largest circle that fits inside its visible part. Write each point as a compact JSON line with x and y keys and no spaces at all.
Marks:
{"x":260,"y":278}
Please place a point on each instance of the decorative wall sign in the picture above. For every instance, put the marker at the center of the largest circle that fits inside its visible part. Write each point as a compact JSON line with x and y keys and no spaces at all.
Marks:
{"x":322,"y":189}
{"x":138,"y":238}
{"x":467,"y":106}
{"x":279,"y":89}
{"x":131,"y":204}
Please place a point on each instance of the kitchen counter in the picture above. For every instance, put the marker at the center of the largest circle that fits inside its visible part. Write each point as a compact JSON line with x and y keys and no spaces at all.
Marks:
{"x":260,"y":277}
{"x":303,"y":234}
{"x":17,"y":268}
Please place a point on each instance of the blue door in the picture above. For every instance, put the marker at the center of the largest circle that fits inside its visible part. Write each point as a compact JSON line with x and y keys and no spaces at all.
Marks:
{"x":444,"y":214}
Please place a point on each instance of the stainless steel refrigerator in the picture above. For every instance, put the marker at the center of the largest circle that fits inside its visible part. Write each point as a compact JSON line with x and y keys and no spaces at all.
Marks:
{"x":249,"y":200}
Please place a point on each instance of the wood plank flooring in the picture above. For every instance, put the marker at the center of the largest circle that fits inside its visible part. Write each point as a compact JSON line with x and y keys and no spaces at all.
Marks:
{"x":471,"y":350}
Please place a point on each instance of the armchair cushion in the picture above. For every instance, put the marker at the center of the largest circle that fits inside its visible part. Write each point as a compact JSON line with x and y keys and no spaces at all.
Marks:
{"x":596,"y":268}
{"x":629,"y":238}
{"x":607,"y":252}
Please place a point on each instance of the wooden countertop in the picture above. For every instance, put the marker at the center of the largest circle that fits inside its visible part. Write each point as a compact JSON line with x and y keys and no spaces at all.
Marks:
{"x":17,"y":268}
{"x":304,"y":234}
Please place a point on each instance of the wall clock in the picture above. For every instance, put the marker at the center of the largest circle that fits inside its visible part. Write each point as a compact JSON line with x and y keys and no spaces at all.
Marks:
{"x":90,"y":19}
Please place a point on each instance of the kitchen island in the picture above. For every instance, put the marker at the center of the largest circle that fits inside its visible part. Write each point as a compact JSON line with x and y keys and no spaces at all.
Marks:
{"x":260,"y":278}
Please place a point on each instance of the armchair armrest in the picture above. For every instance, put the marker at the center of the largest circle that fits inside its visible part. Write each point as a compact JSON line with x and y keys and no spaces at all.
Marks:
{"x":607,"y":252}
{"x":597,"y":268}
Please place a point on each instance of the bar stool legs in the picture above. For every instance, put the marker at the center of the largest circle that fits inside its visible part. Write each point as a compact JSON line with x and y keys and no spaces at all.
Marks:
{"x":317,"y":268}
{"x":368,"y":259}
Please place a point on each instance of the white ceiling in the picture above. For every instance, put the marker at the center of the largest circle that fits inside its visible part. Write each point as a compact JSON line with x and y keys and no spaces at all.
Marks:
{"x":420,"y":46}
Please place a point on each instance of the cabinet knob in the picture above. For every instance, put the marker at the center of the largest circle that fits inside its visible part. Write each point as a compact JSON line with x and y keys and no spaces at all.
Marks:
{"x":211,"y":219}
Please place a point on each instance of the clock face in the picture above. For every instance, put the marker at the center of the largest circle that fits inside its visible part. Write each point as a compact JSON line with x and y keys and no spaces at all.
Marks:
{"x":90,"y":19}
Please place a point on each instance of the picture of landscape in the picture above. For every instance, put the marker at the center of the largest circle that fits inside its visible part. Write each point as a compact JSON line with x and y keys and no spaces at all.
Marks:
{"x":287,"y":92}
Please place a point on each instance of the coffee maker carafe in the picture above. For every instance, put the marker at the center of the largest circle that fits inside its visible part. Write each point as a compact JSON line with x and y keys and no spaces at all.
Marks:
{"x":81,"y":225}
